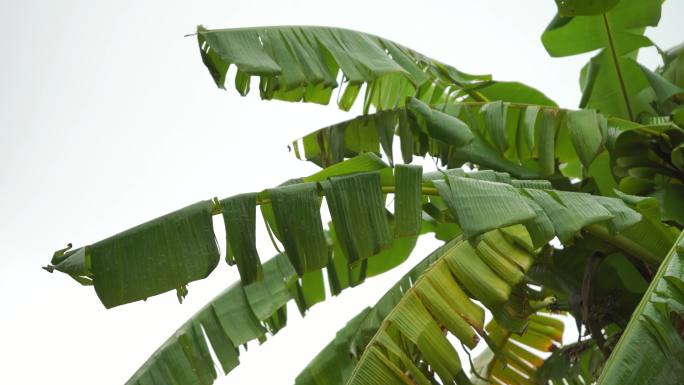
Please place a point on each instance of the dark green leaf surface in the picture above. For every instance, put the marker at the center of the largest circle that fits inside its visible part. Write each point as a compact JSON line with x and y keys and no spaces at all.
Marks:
{"x":297,"y":215}
{"x":663,"y":88}
{"x":358,"y":212}
{"x":163,"y":254}
{"x":239,"y":217}
{"x":407,"y":200}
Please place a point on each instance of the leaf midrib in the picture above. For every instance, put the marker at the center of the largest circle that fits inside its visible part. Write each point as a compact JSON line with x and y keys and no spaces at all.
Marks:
{"x":618,"y":70}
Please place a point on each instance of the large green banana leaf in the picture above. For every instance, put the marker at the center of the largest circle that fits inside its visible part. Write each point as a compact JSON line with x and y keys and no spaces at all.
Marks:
{"x":651,"y":348}
{"x":538,"y":168}
{"x":527,"y":141}
{"x":334,"y":364}
{"x":126,"y":267}
{"x":612,"y":82}
{"x":490,"y":271}
{"x":169,"y":252}
{"x":304,"y":63}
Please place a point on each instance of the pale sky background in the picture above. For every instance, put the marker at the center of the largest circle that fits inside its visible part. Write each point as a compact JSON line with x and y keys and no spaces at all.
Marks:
{"x":109,"y":118}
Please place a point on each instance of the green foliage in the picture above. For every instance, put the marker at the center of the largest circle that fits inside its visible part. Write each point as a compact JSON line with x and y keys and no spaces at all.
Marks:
{"x":606,"y":180}
{"x":618,"y":33}
{"x":651,"y":349}
{"x":302,"y":63}
{"x":160,"y":255}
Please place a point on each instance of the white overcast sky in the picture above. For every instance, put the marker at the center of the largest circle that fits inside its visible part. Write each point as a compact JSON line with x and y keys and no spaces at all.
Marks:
{"x":108,"y":118}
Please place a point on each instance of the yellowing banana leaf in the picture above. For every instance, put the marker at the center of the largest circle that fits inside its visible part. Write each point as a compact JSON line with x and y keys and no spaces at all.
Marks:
{"x":399,"y":338}
{"x":517,"y":362}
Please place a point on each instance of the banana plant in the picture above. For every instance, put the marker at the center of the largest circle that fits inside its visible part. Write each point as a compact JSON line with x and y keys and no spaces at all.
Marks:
{"x":543,"y":211}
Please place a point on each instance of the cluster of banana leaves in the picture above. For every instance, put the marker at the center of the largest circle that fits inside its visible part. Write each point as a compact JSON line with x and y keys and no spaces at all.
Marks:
{"x":543,"y":211}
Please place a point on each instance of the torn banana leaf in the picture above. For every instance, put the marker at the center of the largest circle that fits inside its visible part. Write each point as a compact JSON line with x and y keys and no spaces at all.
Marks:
{"x":651,"y":348}
{"x":478,"y":202}
{"x":304,"y":63}
{"x":296,"y":210}
{"x":225,"y":323}
{"x":526,"y":141}
{"x":407,"y":200}
{"x":239,"y":217}
{"x":357,"y":208}
{"x":161,"y":255}
{"x":479,"y":205}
